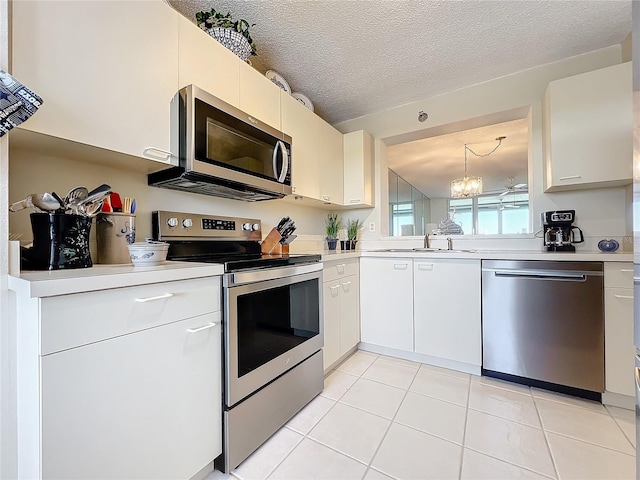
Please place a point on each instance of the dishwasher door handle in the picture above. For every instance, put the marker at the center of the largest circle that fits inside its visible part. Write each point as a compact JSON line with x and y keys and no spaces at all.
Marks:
{"x":544,"y":274}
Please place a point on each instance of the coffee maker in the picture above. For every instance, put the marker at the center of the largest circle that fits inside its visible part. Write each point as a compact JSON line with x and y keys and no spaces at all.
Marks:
{"x":558,"y":230}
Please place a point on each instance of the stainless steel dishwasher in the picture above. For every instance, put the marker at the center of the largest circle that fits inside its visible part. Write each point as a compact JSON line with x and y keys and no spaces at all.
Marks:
{"x":543,"y":324}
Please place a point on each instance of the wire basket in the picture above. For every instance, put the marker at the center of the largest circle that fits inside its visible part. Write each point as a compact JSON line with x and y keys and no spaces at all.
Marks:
{"x":234,"y":41}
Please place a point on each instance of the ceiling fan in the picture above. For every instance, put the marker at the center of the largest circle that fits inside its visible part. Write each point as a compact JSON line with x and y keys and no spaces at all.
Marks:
{"x":507,"y":205}
{"x":513,"y":188}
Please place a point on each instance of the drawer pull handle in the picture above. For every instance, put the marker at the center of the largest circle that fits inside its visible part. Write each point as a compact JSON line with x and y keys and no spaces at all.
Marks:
{"x":624,"y":296}
{"x":157,"y":154}
{"x":199,"y":329}
{"x":354,"y":200}
{"x":151,"y":299}
{"x":334,"y":287}
{"x":570,"y":177}
{"x":626,"y":270}
{"x":400,"y":266}
{"x":340,"y":268}
{"x":425,"y":266}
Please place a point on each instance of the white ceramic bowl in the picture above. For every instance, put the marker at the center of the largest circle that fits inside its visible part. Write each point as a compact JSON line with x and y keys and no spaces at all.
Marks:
{"x":144,"y":254}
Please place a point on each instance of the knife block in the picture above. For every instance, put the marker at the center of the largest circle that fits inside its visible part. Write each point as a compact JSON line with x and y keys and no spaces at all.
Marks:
{"x":271,"y":244}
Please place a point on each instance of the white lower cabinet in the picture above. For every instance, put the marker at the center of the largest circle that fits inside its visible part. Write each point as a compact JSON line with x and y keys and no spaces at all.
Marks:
{"x":386,"y":302}
{"x":341,"y":291}
{"x":447,"y":309}
{"x":144,"y":405}
{"x":618,"y":335}
{"x":121,"y":383}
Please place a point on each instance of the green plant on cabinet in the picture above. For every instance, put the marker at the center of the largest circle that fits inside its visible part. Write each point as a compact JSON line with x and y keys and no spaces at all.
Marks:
{"x":207,"y":20}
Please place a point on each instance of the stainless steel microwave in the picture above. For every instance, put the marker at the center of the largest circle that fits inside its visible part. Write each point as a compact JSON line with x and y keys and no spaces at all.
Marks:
{"x":223,"y":151}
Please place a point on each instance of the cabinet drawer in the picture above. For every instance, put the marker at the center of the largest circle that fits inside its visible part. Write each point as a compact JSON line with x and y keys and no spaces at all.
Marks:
{"x":338,"y":269}
{"x":618,"y":338}
{"x":618,"y":274}
{"x":69,"y":321}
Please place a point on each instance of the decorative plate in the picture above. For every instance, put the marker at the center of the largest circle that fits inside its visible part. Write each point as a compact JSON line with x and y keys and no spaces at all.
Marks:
{"x":303,"y":99}
{"x":608,"y":245}
{"x":276,"y":78}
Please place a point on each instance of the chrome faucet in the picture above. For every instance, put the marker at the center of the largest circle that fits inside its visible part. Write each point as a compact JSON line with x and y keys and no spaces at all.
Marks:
{"x":427,"y":241}
{"x":449,"y":243}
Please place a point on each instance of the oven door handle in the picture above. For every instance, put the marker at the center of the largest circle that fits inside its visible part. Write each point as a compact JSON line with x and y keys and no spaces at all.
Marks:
{"x":241,"y":278}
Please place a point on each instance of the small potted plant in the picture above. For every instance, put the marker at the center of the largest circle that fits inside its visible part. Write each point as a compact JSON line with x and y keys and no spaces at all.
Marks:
{"x":333,"y":224}
{"x":353,"y":226}
{"x":233,"y":34}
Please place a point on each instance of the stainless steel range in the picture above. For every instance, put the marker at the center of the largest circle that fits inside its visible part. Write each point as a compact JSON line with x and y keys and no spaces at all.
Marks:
{"x":272,"y":326}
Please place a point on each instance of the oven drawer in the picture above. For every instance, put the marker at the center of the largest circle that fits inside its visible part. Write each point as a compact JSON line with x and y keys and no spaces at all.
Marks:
{"x":69,"y":321}
{"x":338,"y":269}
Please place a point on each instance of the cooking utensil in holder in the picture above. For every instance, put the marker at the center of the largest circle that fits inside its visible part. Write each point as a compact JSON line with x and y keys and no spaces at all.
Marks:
{"x":271,"y":244}
{"x":60,"y":241}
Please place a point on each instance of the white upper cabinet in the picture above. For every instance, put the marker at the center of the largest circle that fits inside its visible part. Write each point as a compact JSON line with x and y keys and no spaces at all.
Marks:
{"x":587,"y":123}
{"x":329,"y":157}
{"x":204,"y":62}
{"x":317,"y":153}
{"x":107,"y":71}
{"x":358,"y":169}
{"x":298,"y":122}
{"x":259,"y":97}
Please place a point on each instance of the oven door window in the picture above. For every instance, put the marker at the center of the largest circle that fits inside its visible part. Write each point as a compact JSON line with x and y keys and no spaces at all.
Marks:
{"x":274,"y":321}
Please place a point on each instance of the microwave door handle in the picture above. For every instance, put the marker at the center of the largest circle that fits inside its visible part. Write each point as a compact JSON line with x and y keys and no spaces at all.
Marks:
{"x":285,"y":160}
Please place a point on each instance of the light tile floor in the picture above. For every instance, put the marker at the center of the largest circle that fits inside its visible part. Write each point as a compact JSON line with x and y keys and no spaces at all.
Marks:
{"x":383,"y":418}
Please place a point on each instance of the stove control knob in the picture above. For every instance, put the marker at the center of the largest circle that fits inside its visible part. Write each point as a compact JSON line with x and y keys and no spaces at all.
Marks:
{"x":246,"y":226}
{"x":256,"y":227}
{"x":172,"y":222}
{"x":187,"y":223}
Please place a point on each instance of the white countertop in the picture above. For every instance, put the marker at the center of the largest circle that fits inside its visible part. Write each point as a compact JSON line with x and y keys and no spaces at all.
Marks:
{"x":49,"y":283}
{"x":509,"y":255}
{"x":99,"y":277}
{"x":588,"y":256}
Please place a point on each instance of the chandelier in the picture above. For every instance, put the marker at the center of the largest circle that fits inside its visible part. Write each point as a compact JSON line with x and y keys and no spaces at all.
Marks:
{"x":470,"y":186}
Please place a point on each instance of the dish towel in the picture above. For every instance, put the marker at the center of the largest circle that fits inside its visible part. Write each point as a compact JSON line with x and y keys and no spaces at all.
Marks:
{"x":17,"y":103}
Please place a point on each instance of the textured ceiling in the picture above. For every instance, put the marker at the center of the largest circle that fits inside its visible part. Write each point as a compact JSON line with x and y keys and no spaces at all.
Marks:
{"x":355,"y":57}
{"x":430,"y":164}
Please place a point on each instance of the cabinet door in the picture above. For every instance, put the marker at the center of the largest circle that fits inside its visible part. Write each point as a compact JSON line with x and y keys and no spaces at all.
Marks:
{"x":107,"y":71}
{"x":349,"y":313}
{"x":298,"y":122}
{"x":330,"y":157}
{"x":618,"y":341}
{"x":204,"y":62}
{"x":331,"y":306}
{"x":447,"y":309}
{"x":358,"y":169}
{"x":588,"y":129}
{"x":259,"y":97}
{"x":386,"y":302}
{"x":145,"y":405}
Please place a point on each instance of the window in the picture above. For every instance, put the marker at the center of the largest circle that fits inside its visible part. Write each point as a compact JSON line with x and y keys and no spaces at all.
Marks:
{"x":492,"y":214}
